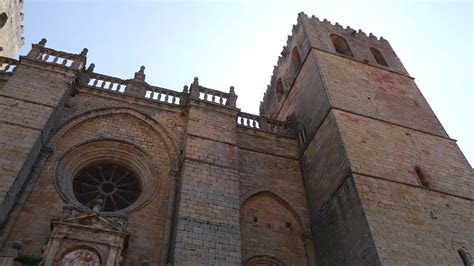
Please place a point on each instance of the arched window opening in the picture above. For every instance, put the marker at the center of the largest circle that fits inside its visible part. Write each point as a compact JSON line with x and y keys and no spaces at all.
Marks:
{"x":296,"y":58}
{"x":3,"y":19}
{"x":279,"y":88}
{"x":378,"y":57}
{"x":115,"y":185}
{"x":295,"y":64}
{"x":423,"y":177}
{"x":340,"y":45}
{"x":464,"y":257}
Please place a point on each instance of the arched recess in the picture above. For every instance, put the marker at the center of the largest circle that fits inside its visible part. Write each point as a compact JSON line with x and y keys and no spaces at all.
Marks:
{"x":269,"y":226}
{"x":171,"y":145}
{"x":340,"y":45}
{"x":263,"y":261}
{"x":295,"y":64}
{"x":171,"y":149}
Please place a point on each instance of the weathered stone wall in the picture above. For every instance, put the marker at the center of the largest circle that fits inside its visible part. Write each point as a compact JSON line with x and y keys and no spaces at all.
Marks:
{"x":11,"y":28}
{"x":357,"y":118}
{"x":31,"y":102}
{"x":341,"y":232}
{"x":102,"y":117}
{"x":207,"y":222}
{"x":376,"y":93}
{"x":274,"y":214}
{"x":414,"y":225}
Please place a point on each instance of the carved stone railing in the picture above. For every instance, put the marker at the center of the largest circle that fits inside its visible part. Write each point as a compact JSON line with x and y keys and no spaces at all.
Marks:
{"x":213,"y":96}
{"x":265,"y":124}
{"x":7,"y":65}
{"x":105,"y":82}
{"x":48,"y":55}
{"x":249,"y":120}
{"x":164,"y":95}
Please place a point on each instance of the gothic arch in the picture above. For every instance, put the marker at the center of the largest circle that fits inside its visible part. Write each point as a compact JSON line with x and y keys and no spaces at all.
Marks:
{"x":263,"y":260}
{"x":255,"y":191}
{"x":170,"y":144}
{"x":82,"y":154}
{"x":270,"y":228}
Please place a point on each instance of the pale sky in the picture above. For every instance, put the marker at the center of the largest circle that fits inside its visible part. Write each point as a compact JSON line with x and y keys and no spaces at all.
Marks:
{"x":237,"y":43}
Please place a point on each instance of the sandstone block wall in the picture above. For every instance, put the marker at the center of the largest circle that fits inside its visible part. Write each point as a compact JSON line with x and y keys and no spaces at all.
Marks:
{"x":11,"y":28}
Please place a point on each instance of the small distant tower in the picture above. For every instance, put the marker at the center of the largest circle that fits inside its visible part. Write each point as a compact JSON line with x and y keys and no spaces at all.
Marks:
{"x":11,"y":28}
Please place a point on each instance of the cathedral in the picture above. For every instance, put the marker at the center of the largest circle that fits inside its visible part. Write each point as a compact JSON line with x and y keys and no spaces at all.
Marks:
{"x":346,"y":164}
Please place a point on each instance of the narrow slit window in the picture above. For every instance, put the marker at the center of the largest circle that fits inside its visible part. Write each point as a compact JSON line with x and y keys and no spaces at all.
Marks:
{"x":340,"y":45}
{"x":378,"y":57}
{"x":295,"y":64}
{"x":279,"y":88}
{"x":424,"y":179}
{"x":464,"y":257}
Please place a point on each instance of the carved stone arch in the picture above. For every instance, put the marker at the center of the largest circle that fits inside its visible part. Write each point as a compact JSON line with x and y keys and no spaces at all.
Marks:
{"x":263,"y":260}
{"x":255,"y":191}
{"x":170,"y":144}
{"x":122,"y":152}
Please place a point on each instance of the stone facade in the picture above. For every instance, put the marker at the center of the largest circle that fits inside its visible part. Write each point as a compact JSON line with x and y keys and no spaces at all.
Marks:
{"x":346,"y":164}
{"x":11,"y":28}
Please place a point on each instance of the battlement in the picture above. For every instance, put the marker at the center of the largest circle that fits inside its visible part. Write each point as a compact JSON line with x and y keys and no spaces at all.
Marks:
{"x":312,"y":33}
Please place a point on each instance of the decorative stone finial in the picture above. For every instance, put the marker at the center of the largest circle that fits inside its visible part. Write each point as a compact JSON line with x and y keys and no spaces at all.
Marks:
{"x":84,"y":51}
{"x":43,"y":42}
{"x":185,"y":89}
{"x":231,"y":90}
{"x":91,"y":67}
{"x":194,"y":90}
{"x":140,"y":75}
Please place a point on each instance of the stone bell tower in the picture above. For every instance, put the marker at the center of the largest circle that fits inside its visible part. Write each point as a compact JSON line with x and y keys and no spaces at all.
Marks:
{"x":384,"y":181}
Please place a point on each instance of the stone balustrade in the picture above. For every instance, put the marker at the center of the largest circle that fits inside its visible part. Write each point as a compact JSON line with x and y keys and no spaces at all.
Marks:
{"x":164,"y":95}
{"x":51,"y":56}
{"x":101,"y":81}
{"x":7,"y":65}
{"x":249,"y":120}
{"x":264,"y":124}
{"x":213,"y":96}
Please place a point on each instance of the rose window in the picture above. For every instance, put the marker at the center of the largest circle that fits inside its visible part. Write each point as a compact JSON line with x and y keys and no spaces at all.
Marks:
{"x":115,"y":185}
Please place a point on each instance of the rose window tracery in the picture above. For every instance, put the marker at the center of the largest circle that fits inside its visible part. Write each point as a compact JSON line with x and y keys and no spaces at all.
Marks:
{"x":114,"y":184}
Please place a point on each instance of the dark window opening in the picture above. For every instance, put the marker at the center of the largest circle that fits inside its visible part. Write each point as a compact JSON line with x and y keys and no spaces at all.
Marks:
{"x":464,"y":257}
{"x":279,"y":88}
{"x":378,"y":57}
{"x":424,"y":179}
{"x":3,"y":19}
{"x":340,"y":45}
{"x":295,"y":65}
{"x":115,"y":185}
{"x":255,"y":219}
